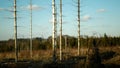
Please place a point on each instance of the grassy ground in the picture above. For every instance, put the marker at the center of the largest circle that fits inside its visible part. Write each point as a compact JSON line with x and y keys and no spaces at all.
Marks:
{"x":43,"y":58}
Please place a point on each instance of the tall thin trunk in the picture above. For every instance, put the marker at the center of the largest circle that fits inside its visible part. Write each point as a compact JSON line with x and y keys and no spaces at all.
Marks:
{"x":78,"y":27}
{"x":60,"y":29}
{"x":15,"y":31}
{"x":54,"y":36}
{"x":31,"y":28}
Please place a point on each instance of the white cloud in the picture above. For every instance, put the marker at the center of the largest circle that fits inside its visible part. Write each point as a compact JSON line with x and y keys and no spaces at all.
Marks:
{"x":1,"y":9}
{"x":51,"y":20}
{"x":86,"y":17}
{"x":7,"y":9}
{"x":101,"y":10}
{"x":34,"y":7}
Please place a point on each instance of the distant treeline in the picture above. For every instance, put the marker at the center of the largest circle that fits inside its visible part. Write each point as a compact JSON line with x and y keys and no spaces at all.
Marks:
{"x":41,"y":43}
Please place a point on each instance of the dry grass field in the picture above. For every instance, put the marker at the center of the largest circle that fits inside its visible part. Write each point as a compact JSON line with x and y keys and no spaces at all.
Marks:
{"x":110,"y":57}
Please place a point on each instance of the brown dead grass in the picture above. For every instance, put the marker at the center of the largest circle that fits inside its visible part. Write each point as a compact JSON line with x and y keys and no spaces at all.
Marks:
{"x":47,"y":54}
{"x":39,"y":54}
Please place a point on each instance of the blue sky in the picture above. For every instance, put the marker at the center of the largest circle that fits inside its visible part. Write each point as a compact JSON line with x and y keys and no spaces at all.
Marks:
{"x":97,"y":16}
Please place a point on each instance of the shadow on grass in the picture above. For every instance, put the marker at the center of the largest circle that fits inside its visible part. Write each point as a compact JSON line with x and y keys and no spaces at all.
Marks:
{"x":112,"y":66}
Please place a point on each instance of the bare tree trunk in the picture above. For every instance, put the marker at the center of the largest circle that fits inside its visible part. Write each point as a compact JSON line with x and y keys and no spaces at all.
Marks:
{"x":15,"y":31}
